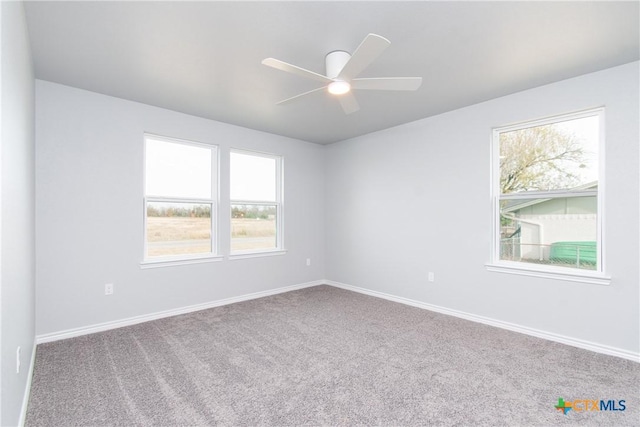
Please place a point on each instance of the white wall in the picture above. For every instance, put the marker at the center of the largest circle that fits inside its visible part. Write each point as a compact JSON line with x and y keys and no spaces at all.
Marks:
{"x":415,"y":198}
{"x":89,"y":157}
{"x":17,"y":231}
{"x":395,"y":204}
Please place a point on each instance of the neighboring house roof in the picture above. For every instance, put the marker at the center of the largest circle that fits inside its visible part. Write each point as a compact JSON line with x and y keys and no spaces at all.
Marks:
{"x":517,"y":204}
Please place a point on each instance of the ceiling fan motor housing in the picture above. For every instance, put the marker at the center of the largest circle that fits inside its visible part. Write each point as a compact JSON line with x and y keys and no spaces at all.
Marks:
{"x":335,"y":62}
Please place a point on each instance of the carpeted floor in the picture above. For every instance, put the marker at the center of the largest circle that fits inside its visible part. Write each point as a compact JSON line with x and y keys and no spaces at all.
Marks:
{"x":322,"y":356}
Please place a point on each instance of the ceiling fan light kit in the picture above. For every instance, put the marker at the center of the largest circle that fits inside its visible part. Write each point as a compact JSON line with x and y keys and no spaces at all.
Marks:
{"x":338,"y":87}
{"x":342,"y":69}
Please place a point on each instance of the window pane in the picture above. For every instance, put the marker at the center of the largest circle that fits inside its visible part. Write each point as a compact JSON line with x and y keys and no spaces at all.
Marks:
{"x":562,"y":155}
{"x":557,"y":231}
{"x":253,"y":227}
{"x":177,"y":170}
{"x":178,"y":229}
{"x":253,"y":178}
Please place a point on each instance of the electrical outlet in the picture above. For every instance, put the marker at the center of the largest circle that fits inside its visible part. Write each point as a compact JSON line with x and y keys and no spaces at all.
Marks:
{"x":308,"y":262}
{"x":18,"y":360}
{"x":431,"y":276}
{"x":108,"y":289}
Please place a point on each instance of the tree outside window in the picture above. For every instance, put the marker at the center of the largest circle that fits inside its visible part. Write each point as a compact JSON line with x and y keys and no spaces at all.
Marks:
{"x":546,"y":192}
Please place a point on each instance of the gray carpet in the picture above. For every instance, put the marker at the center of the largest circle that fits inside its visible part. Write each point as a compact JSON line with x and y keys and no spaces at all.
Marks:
{"x":322,"y":356}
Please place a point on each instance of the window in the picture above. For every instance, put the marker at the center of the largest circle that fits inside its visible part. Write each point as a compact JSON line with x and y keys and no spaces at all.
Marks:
{"x":256,"y":202}
{"x":179,"y":201}
{"x":547,"y":194}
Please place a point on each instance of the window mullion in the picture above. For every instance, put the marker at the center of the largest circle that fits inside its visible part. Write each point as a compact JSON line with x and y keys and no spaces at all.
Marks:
{"x":177,"y":200}
{"x":548,"y":194}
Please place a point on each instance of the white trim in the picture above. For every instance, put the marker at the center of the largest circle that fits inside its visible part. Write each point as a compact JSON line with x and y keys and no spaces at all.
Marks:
{"x":494,"y":182}
{"x":556,"y":118}
{"x":602,"y":191}
{"x":160,"y":199}
{"x":254,"y":202}
{"x":550,"y":272}
{"x":496,"y":264}
{"x":248,"y":152}
{"x":548,"y":195}
{"x":214,"y":151}
{"x":27,"y":390}
{"x":240,"y":255}
{"x":85,"y":330}
{"x":278,"y":203}
{"x":574,"y":342}
{"x":182,"y":141}
{"x":158,"y":263}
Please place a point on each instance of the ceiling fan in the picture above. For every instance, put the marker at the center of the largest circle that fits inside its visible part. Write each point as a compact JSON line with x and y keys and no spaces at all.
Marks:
{"x":342,"y":70}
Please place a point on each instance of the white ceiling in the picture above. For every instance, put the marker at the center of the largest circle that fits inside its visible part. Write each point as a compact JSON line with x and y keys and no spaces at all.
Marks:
{"x":203,"y":58}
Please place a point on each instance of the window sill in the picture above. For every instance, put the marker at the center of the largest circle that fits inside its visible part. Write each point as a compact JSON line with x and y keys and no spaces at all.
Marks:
{"x":174,"y":262}
{"x":560,"y":273}
{"x":245,"y":255}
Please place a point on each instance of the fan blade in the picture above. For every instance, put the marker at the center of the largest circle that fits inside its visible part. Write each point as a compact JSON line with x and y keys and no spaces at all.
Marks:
{"x":349,"y":103}
{"x":283,"y":66}
{"x":293,"y":98}
{"x":370,"y":48}
{"x":387,"y":83}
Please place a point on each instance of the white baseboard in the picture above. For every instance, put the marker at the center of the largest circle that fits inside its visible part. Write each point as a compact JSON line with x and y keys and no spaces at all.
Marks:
{"x":27,"y":390}
{"x":85,"y":330}
{"x":586,"y":345}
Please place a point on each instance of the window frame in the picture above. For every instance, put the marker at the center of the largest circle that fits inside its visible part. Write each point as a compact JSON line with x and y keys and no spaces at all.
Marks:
{"x":213,"y":201}
{"x":597,"y":276}
{"x":279,"y":202}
